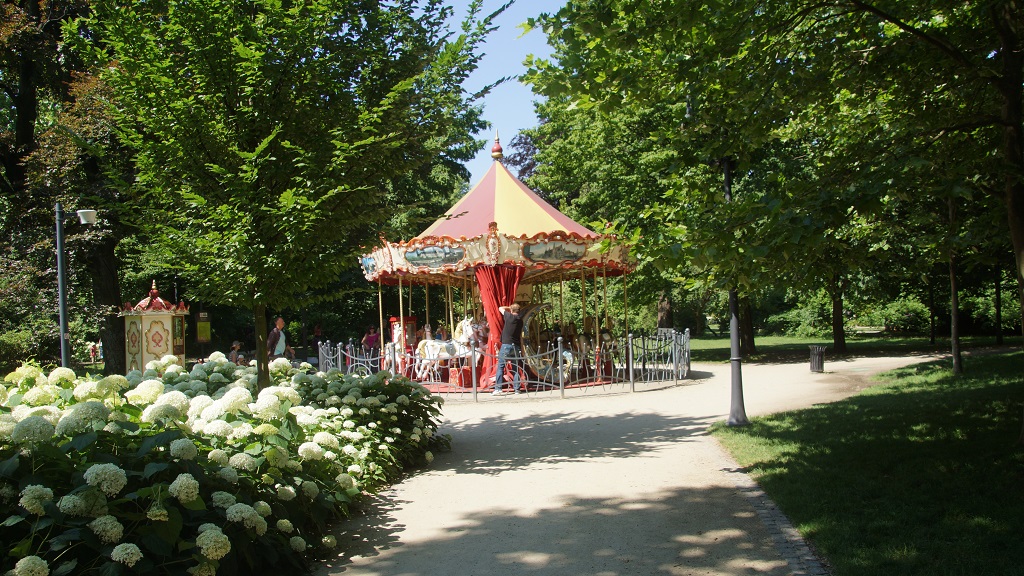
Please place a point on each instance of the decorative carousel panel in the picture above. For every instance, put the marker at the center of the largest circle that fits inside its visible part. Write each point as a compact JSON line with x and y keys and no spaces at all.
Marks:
{"x":158,"y":339}
{"x":133,"y":343}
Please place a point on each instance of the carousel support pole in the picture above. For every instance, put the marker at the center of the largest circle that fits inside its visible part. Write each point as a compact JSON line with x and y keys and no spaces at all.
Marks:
{"x":629,"y":352}
{"x":607,"y":318}
{"x":561,"y":369}
{"x":472,"y":360}
{"x":583,"y":300}
{"x":561,"y":304}
{"x":625,"y":304}
{"x":675,"y":357}
{"x":401,"y":337}
{"x":380,"y":313}
{"x":426,"y":297}
{"x":451,"y":313}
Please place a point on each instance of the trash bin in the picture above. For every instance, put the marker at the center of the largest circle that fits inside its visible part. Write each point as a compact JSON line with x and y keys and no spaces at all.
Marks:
{"x":817,"y":358}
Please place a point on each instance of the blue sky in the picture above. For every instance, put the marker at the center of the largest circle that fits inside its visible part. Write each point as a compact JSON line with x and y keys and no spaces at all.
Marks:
{"x":509,"y":107}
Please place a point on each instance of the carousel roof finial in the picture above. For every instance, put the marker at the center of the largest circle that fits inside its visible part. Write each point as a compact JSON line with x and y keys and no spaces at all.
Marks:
{"x":496,"y":151}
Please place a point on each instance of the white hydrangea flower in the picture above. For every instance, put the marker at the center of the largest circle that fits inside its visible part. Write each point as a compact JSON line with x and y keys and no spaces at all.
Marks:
{"x":107,"y":477}
{"x":243,"y":461}
{"x":40,"y":395}
{"x":145,"y":393}
{"x":429,"y":456}
{"x":277,"y":457}
{"x":218,"y":357}
{"x":311,"y":451}
{"x":107,"y":528}
{"x":262,"y":508}
{"x":218,"y":428}
{"x":285,"y":525}
{"x":228,"y":474}
{"x":72,"y":505}
{"x":236,"y":400}
{"x":197,"y":405}
{"x":241,"y":432}
{"x":214,"y":411}
{"x":297,"y":543}
{"x":286,"y":493}
{"x":155,"y":412}
{"x":266,"y":429}
{"x":33,"y":497}
{"x":213,"y":544}
{"x":223,"y":499}
{"x":61,"y":375}
{"x":32,"y":430}
{"x":81,"y":417}
{"x":185,"y":488}
{"x":349,"y":449}
{"x":245,"y":514}
{"x":355,"y":469}
{"x":31,"y":566}
{"x":310,"y":489}
{"x":126,"y":553}
{"x":204,"y":569}
{"x":218,"y":456}
{"x":184,"y":449}
{"x":345,"y":481}
{"x":329,"y":541}
{"x":326,"y":440}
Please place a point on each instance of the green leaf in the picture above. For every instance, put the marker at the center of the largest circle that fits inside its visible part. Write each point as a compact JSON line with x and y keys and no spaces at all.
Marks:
{"x":10,"y":466}
{"x":65,"y":568}
{"x":195,"y":505}
{"x":12,"y":520}
{"x":161,"y":439}
{"x":154,"y":468}
{"x":80,"y":442}
{"x":111,"y":569}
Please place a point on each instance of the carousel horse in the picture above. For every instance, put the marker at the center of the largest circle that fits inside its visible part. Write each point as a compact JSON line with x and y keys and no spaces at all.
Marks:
{"x":393,"y":352}
{"x":430,"y":353}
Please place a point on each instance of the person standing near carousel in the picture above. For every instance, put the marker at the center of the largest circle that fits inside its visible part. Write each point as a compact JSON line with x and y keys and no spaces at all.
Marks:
{"x":511,"y":342}
{"x":277,"y":342}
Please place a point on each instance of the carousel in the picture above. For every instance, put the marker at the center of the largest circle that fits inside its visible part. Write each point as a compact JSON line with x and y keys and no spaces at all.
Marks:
{"x":500,"y":244}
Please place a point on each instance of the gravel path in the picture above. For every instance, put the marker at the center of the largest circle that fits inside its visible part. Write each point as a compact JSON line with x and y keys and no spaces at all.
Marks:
{"x":605,"y":485}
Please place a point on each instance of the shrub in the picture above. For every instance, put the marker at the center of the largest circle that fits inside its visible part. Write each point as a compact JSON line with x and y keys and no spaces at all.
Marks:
{"x":180,"y":472}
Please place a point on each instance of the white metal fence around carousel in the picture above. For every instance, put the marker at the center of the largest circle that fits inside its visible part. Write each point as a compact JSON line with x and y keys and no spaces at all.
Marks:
{"x":449,"y":368}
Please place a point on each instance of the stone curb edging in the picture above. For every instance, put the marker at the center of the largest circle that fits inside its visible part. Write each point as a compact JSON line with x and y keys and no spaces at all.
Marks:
{"x":787,"y":539}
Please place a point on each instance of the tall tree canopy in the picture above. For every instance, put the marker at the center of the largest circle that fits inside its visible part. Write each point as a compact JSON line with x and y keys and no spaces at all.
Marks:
{"x":268,"y":134}
{"x":909,"y":98}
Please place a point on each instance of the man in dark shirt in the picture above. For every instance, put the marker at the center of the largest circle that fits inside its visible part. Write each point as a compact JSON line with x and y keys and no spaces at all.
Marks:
{"x":511,"y":342}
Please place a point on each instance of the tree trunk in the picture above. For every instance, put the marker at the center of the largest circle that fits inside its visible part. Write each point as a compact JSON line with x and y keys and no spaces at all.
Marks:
{"x":931,"y":310}
{"x":106,"y":293}
{"x":954,"y":318}
{"x":259,"y":313}
{"x":999,"y":306}
{"x":665,"y":309}
{"x":954,"y":301}
{"x":747,"y":345}
{"x":836,"y":290}
{"x":1010,"y":85}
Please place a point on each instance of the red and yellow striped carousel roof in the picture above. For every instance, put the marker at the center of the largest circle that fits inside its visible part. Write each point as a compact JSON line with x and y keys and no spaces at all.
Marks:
{"x":500,"y":197}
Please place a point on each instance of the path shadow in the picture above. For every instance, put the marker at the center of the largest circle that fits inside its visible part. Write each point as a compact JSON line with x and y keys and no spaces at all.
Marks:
{"x":675,"y":532}
{"x":501,"y":443}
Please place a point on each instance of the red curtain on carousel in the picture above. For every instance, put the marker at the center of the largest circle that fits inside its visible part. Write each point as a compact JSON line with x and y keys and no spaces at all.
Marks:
{"x":498,"y":285}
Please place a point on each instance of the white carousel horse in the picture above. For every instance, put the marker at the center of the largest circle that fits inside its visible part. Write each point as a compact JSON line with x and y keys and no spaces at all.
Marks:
{"x":430,"y":353}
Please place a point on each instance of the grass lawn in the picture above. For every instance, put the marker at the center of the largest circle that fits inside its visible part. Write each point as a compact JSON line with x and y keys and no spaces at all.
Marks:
{"x":921,"y":475}
{"x":793,"y":349}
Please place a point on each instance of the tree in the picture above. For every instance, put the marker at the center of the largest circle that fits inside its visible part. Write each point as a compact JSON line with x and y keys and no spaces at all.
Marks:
{"x":942,"y":76}
{"x":268,"y":135}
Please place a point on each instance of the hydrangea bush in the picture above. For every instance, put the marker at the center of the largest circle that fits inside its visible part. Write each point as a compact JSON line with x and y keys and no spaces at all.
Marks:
{"x":196,"y":472}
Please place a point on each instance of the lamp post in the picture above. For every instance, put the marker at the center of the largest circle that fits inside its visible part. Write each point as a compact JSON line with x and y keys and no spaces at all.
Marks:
{"x":86,"y":217}
{"x":737,"y":411}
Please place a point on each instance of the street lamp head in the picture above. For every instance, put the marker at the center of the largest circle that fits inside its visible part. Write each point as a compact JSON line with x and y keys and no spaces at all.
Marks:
{"x":87,"y":216}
